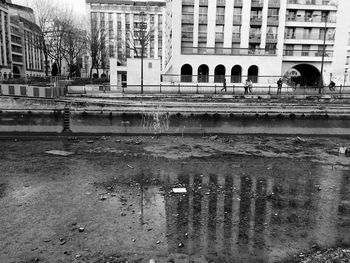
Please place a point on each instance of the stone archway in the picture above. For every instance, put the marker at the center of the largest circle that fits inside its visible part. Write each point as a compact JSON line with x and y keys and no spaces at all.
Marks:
{"x":186,"y":73}
{"x":309,"y":75}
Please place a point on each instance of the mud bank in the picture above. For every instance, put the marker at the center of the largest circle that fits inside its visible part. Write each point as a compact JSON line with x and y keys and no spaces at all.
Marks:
{"x":247,"y":199}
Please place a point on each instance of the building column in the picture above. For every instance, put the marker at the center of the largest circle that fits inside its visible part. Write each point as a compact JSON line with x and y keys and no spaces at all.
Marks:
{"x":211,"y":23}
{"x":156,"y":36}
{"x":196,"y":23}
{"x":4,"y":37}
{"x":228,"y":24}
{"x":264,"y":24}
{"x":245,"y":29}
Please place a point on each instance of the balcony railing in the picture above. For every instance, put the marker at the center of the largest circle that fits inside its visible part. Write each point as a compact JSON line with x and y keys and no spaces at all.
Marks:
{"x":254,"y":37}
{"x":219,"y":36}
{"x":187,"y":36}
{"x":273,"y":19}
{"x":274,"y":3}
{"x":255,"y":19}
{"x":307,"y":53}
{"x":313,"y":19}
{"x":271,"y":38}
{"x":188,"y":2}
{"x":257,"y":3}
{"x":236,"y":37}
{"x":312,"y":2}
{"x":238,"y":3}
{"x":320,"y":37}
{"x":228,"y":51}
{"x":203,"y":2}
{"x":237,"y":19}
{"x":187,"y":18}
{"x":202,"y":36}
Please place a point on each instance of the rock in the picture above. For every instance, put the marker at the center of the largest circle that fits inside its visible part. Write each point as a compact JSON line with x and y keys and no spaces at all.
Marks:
{"x":118,"y":141}
{"x":63,"y":242}
{"x":180,"y":244}
{"x":152,"y":260}
{"x":113,"y":194}
{"x":131,"y":167}
{"x":158,"y":242}
{"x":122,"y":214}
{"x":77,"y":256}
{"x":90,"y":141}
{"x":179,"y":190}
{"x":103,"y":197}
{"x":133,"y":240}
{"x":81,"y":229}
{"x":213,"y":138}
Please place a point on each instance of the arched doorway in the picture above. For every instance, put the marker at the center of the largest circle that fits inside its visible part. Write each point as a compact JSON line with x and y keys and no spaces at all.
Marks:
{"x":309,"y":75}
{"x":236,"y":74}
{"x":253,"y":73}
{"x":186,"y":73}
{"x":203,"y":73}
{"x":219,"y":72}
{"x":16,"y":72}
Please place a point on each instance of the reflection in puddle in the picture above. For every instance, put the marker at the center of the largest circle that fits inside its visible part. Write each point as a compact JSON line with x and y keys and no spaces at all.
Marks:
{"x":251,"y":218}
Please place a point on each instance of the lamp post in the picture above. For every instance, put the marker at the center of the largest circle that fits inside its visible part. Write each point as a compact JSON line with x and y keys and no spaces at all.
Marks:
{"x":320,"y":86}
{"x":142,"y":42}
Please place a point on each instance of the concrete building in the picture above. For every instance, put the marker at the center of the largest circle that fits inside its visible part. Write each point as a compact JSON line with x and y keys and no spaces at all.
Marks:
{"x":20,"y":50}
{"x":209,"y":40}
{"x":123,"y":21}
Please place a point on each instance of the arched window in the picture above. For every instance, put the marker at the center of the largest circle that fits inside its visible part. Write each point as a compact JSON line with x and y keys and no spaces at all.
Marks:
{"x":186,"y":73}
{"x":253,"y":73}
{"x":219,"y":73}
{"x":203,"y":73}
{"x":236,"y":74}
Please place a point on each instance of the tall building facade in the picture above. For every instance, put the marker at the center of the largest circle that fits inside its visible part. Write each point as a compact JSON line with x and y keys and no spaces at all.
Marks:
{"x":20,"y":50}
{"x":122,"y":22}
{"x":213,"y":40}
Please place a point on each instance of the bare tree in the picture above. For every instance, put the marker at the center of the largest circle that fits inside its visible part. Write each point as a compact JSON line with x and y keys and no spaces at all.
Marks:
{"x":74,"y":42}
{"x":97,"y":47}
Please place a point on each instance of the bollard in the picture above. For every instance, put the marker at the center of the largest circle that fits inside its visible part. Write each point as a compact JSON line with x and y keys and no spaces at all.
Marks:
{"x":233,"y":89}
{"x":197,"y":88}
{"x":269,"y":89}
{"x":160,"y":88}
{"x":215,"y":89}
{"x":179,"y":88}
{"x":340,"y":87}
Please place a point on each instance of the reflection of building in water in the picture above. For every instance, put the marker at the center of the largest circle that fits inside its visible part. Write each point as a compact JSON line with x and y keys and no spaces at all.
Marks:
{"x":235,"y":215}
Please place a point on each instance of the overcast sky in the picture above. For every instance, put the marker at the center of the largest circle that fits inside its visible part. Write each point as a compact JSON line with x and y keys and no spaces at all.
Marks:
{"x":78,"y":6}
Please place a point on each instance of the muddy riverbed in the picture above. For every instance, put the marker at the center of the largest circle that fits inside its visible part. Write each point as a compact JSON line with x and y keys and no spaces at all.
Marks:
{"x":243,"y":198}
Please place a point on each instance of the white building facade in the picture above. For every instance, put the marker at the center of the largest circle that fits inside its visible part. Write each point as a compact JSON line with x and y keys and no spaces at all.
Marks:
{"x":213,"y":40}
{"x":122,"y":21}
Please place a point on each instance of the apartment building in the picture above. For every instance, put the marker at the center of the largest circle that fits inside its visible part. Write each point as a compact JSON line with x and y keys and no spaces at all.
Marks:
{"x":20,"y":50}
{"x":123,"y":22}
{"x":213,"y":40}
{"x":5,"y":47}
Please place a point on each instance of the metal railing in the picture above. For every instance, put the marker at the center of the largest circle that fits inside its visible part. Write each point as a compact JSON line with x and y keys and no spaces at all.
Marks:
{"x":228,"y":51}
{"x":217,"y":89}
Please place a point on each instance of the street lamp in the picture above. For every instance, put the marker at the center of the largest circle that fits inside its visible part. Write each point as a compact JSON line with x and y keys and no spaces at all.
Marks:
{"x":320,"y":86}
{"x":142,"y":42}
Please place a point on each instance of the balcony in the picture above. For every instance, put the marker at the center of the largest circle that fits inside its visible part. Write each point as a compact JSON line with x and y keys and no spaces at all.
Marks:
{"x":187,"y":18}
{"x":187,"y":2}
{"x":312,"y":2}
{"x":274,"y":3}
{"x":203,"y":2}
{"x":228,"y":51}
{"x":236,"y":37}
{"x":238,"y":3}
{"x":308,"y":53}
{"x":237,"y":20}
{"x":187,"y":36}
{"x":254,"y":37}
{"x":257,"y":3}
{"x":309,"y":37}
{"x":202,"y":36}
{"x":203,"y":19}
{"x":255,"y":20}
{"x":271,"y":38}
{"x":220,"y":20}
{"x":313,"y":19}
{"x":220,"y":2}
{"x":219,"y":36}
{"x":273,"y":20}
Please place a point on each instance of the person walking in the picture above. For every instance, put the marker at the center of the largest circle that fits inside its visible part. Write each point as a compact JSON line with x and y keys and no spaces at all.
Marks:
{"x":246,"y":86}
{"x":250,"y":87}
{"x":279,"y":86}
{"x":331,"y":86}
{"x":224,"y":88}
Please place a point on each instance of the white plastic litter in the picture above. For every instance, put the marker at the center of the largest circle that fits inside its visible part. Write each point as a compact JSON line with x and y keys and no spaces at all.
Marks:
{"x":60,"y":153}
{"x":342,"y":150}
{"x":179,"y":190}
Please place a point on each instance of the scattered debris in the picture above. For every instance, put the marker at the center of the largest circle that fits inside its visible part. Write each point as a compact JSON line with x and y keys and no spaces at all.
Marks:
{"x":133,"y":240}
{"x":122,"y":214}
{"x":343,"y":150}
{"x":180,"y":244}
{"x":158,"y":242}
{"x":299,"y":139}
{"x":63,"y":242}
{"x":60,"y":153}
{"x":213,"y":138}
{"x":118,"y":141}
{"x":152,"y":260}
{"x":81,"y":229}
{"x":103,"y":197}
{"x":131,"y":167}
{"x":179,"y":190}
{"x":90,"y":141}
{"x":77,"y":256}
